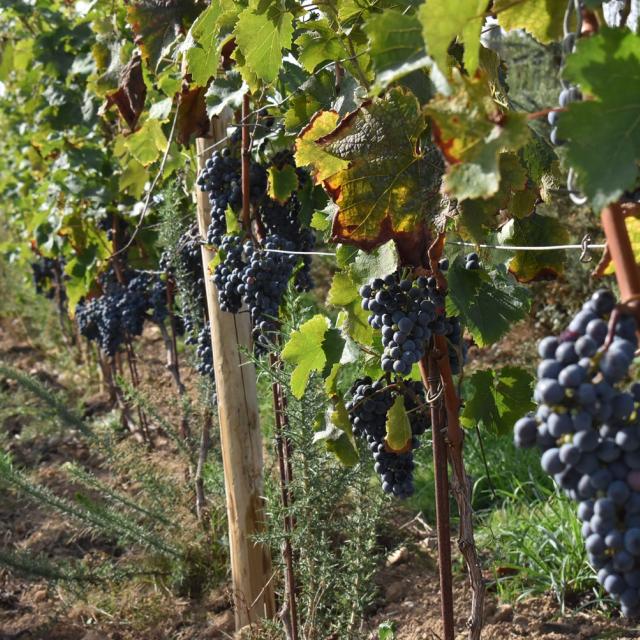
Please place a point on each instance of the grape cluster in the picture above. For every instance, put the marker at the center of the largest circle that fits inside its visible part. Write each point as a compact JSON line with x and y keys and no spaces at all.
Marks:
{"x":256,"y":276}
{"x":120,"y":312}
{"x":283,"y":220}
{"x":264,"y":282}
{"x":47,"y":276}
{"x":221,"y":179}
{"x":228,"y":274}
{"x":370,"y":401}
{"x":204,"y":352}
{"x":588,"y":428}
{"x":407,"y":312}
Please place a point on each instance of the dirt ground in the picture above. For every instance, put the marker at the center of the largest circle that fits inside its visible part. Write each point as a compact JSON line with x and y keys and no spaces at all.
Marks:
{"x":35,"y":610}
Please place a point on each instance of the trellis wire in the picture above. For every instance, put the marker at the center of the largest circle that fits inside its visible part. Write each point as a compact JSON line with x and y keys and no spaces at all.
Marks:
{"x":505,"y":247}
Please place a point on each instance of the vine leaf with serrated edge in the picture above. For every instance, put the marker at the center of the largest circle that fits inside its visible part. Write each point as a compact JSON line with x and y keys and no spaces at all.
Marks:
{"x":472,"y":131}
{"x":312,"y":347}
{"x":541,"y":18}
{"x":442,"y":23}
{"x":488,"y":306}
{"x":605,"y":157}
{"x":370,"y":165}
{"x":262,"y":31}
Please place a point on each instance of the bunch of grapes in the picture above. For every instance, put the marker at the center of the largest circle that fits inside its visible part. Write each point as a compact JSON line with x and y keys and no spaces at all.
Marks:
{"x":120,"y":312}
{"x":204,"y":352}
{"x":407,"y":312}
{"x":368,"y":407}
{"x":588,"y":428}
{"x":221,"y":179}
{"x":283,"y":220}
{"x":47,"y":276}
{"x":229,"y":273}
{"x":264,"y":282}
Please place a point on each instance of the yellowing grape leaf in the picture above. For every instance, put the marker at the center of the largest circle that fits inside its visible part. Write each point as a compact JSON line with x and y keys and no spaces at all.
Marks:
{"x":281,"y":183}
{"x":541,"y":18}
{"x":633,"y":229}
{"x":323,"y":164}
{"x":535,"y":231}
{"x":262,"y":32}
{"x":398,"y":427}
{"x":385,"y":187}
{"x":472,"y":130}
{"x":443,"y":21}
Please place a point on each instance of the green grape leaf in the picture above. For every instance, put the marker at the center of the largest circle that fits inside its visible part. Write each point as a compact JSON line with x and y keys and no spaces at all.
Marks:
{"x":384,"y":187}
{"x":496,"y":399}
{"x":442,"y":23}
{"x":377,"y":264}
{"x":397,"y":47}
{"x":333,"y":346}
{"x":541,"y":18}
{"x":161,"y":110}
{"x":225,"y":91}
{"x":472,"y":131}
{"x":315,"y":94}
{"x":231,"y":219}
{"x":344,"y":293}
{"x":305,"y":350}
{"x":320,"y":221}
{"x":319,"y":43}
{"x":535,"y":231}
{"x":307,"y":152}
{"x":282,"y":183}
{"x":479,"y":217}
{"x":337,"y":435}
{"x":201,"y":45}
{"x":488,"y":305}
{"x":398,"y":427}
{"x":261,"y":37}
{"x":158,"y":24}
{"x":603,"y":132}
{"x":147,"y":143}
{"x":133,"y":178}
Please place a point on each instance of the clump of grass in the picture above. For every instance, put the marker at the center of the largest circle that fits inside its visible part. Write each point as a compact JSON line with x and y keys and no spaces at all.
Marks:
{"x":535,"y":546}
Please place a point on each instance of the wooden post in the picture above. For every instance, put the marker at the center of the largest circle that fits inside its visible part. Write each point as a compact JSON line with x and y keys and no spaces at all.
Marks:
{"x":240,"y":435}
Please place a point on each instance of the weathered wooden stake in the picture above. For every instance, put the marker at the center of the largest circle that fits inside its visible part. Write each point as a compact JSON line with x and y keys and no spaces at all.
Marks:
{"x":240,"y":436}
